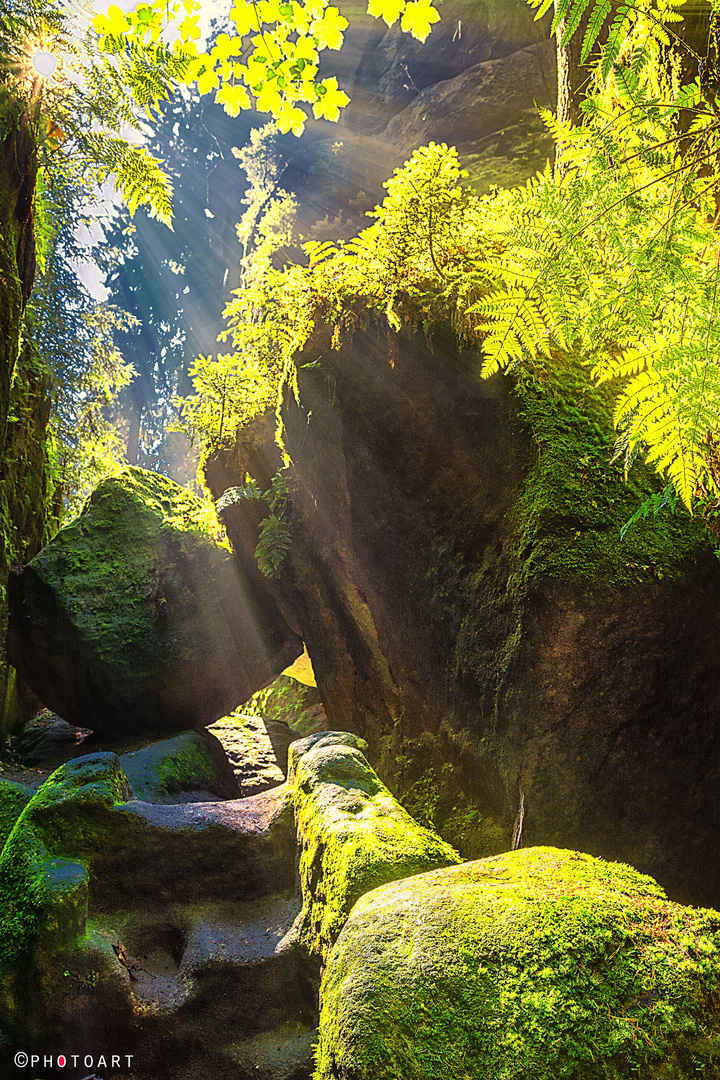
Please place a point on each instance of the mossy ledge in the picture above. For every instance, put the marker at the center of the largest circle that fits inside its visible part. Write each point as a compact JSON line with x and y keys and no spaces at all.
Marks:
{"x":539,"y":964}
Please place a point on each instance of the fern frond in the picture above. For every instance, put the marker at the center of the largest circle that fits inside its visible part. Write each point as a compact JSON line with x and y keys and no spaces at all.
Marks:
{"x":595,"y":24}
{"x":616,"y":39}
{"x":573,"y":21}
{"x":135,"y":172}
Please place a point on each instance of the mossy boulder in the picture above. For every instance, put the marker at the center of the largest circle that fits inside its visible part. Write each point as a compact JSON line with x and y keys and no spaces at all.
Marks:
{"x":134,"y":618}
{"x":352,"y":834}
{"x":191,"y":767}
{"x":539,"y":964}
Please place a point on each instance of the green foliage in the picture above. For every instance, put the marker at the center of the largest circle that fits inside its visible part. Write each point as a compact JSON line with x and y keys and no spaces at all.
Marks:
{"x":274,"y":540}
{"x":231,"y":388}
{"x":80,"y":115}
{"x":84,"y":446}
{"x":270,"y":61}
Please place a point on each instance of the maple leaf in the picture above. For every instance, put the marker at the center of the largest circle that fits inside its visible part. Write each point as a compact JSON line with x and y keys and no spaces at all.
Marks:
{"x":385,"y":9}
{"x":289,"y":117}
{"x":301,"y":17}
{"x":244,"y":16}
{"x":269,"y":11}
{"x":268,"y":100}
{"x":114,"y":23}
{"x":328,"y":31}
{"x":304,"y":49}
{"x":208,"y":80}
{"x":189,"y":29}
{"x":418,"y":18}
{"x":232,"y":98}
{"x":225,"y":47}
{"x":331,"y":100}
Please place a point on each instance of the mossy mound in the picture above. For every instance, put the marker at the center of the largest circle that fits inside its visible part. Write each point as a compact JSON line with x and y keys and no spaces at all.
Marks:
{"x":353,"y":835}
{"x":539,"y":964}
{"x":43,"y":875}
{"x":191,"y":767}
{"x":135,"y":619}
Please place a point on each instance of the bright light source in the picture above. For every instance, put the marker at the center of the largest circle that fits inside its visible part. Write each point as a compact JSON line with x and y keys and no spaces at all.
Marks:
{"x":44,"y":63}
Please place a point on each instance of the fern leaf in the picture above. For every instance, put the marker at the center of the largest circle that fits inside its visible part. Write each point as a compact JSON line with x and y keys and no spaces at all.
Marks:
{"x":573,"y":21}
{"x":561,"y":10}
{"x":595,"y":25}
{"x":616,"y":39}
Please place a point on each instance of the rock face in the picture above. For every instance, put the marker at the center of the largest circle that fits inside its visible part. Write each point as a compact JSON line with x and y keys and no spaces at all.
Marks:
{"x":457,"y":574}
{"x":257,"y":750}
{"x":134,"y":619}
{"x":539,"y":963}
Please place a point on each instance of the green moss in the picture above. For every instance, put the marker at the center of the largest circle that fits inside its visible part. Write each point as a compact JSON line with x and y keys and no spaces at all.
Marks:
{"x":13,"y":800}
{"x":533,"y":965}
{"x":353,"y":835}
{"x":185,"y":763}
{"x":576,"y":499}
{"x":104,"y":564}
{"x":43,"y":886}
{"x":289,"y":701}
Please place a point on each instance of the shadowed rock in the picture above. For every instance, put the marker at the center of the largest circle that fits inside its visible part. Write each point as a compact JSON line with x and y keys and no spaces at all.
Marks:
{"x":470,"y":607}
{"x":133,"y":618}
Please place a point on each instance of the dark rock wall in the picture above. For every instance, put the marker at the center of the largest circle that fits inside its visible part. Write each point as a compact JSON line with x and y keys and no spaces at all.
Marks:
{"x":487,"y":634}
{"x":29,"y":508}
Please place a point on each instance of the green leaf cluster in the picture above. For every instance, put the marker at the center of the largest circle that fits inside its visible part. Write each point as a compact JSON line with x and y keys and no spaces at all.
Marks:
{"x":275,"y":536}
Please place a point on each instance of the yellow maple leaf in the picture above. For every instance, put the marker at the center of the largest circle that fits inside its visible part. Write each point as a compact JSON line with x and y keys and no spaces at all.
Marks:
{"x":208,"y":80}
{"x":114,"y":23}
{"x":189,"y":28}
{"x":418,"y":17}
{"x":232,"y":98}
{"x":269,"y":10}
{"x":328,"y":31}
{"x":290,"y":118}
{"x":303,"y":49}
{"x":268,"y":100}
{"x":385,"y":9}
{"x":244,"y":16}
{"x":222,"y":47}
{"x":331,"y":100}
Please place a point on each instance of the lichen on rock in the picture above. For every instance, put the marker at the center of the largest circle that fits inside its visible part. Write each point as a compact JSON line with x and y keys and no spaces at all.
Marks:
{"x":539,"y":963}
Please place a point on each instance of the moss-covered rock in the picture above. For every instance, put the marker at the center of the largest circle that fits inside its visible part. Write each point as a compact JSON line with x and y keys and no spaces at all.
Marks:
{"x":133,"y":618}
{"x":352,"y":834}
{"x":13,"y":800}
{"x":191,"y":767}
{"x":291,"y":702}
{"x":539,"y":964}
